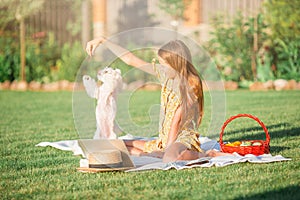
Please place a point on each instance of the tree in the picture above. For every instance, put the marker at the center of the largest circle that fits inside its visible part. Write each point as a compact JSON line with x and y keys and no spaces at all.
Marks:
{"x":18,"y":10}
{"x":235,"y":46}
{"x":174,"y":8}
{"x":283,"y":19}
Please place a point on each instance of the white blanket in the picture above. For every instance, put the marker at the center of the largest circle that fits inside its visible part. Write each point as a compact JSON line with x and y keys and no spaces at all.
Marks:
{"x":220,"y":161}
{"x":150,"y":163}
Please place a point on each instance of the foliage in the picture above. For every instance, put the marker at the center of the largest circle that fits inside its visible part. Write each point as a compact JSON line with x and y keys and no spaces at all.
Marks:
{"x":30,"y":172}
{"x":69,"y":63}
{"x":175,"y":8}
{"x":278,"y":44}
{"x":288,"y":59}
{"x":265,"y":59}
{"x":17,"y":9}
{"x":232,"y":45}
{"x":41,"y":56}
{"x":9,"y":59}
{"x":45,"y":60}
{"x":74,"y":26}
{"x":282,"y":18}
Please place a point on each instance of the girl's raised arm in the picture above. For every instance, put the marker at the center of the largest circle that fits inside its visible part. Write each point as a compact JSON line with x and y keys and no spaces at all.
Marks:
{"x":125,"y":55}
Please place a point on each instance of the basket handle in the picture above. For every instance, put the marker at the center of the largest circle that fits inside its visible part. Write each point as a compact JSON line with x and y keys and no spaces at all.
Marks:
{"x":244,"y":115}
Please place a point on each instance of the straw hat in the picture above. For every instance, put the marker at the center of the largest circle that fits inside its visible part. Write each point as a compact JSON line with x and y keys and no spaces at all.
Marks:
{"x":105,"y":159}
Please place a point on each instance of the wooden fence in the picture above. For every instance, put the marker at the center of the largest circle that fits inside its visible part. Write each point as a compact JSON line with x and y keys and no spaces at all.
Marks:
{"x":210,"y":8}
{"x":57,"y":14}
{"x":54,"y":18}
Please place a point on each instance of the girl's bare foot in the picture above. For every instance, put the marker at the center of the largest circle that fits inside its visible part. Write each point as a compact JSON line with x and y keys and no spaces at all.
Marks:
{"x":214,"y":153}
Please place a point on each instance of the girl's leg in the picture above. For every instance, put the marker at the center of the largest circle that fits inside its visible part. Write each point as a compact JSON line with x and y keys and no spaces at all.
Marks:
{"x":134,"y":151}
{"x":135,"y":147}
{"x":135,"y":143}
{"x":178,"y":151}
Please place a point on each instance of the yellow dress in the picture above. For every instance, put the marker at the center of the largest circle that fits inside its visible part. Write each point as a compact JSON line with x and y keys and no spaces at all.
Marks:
{"x":170,"y":101}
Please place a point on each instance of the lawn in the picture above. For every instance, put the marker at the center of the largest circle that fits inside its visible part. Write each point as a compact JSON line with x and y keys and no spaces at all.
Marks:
{"x":29,"y":172}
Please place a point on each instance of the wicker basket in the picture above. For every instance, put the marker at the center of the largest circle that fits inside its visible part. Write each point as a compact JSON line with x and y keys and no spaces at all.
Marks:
{"x":243,"y":150}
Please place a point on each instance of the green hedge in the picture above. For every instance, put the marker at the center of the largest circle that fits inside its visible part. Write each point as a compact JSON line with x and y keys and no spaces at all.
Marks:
{"x":278,"y":44}
{"x":45,"y":60}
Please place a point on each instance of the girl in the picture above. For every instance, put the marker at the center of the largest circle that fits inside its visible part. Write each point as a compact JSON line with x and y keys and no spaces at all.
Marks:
{"x":181,"y":102}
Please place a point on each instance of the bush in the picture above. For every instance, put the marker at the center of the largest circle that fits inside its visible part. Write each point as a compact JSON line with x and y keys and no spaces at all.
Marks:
{"x":232,"y":46}
{"x":9,"y":59}
{"x":41,"y":56}
{"x":45,"y":60}
{"x":287,"y":59}
{"x":67,"y":66}
{"x":282,"y":17}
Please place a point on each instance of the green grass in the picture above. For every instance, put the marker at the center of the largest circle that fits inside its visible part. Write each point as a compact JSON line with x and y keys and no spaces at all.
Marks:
{"x":29,"y":172}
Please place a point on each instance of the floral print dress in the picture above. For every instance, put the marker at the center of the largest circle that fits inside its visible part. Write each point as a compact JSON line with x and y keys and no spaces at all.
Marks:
{"x":170,"y":101}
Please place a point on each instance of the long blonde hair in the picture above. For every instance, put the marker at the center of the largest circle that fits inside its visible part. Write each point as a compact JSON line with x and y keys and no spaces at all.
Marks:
{"x":178,"y":56}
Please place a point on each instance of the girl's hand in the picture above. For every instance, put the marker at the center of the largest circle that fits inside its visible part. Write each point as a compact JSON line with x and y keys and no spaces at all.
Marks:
{"x":93,"y":44}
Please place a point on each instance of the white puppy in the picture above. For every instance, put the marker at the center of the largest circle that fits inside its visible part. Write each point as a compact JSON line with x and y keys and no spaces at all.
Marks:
{"x":106,"y":95}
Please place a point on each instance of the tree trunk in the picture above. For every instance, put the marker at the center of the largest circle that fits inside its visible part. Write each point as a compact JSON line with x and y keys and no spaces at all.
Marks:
{"x":85,"y":34}
{"x":192,"y":12}
{"x":255,"y":49}
{"x":22,"y":49}
{"x":99,"y":18}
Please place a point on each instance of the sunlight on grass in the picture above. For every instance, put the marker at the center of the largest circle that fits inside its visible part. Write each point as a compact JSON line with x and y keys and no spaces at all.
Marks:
{"x":29,"y":172}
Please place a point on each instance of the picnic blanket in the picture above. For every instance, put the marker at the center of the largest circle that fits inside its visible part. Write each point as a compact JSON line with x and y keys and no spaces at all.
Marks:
{"x":150,"y":163}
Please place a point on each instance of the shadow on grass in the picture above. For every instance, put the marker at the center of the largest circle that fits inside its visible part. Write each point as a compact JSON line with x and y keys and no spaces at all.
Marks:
{"x":277,"y":149}
{"x":260,"y":134}
{"x":291,"y":192}
{"x":258,"y":128}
